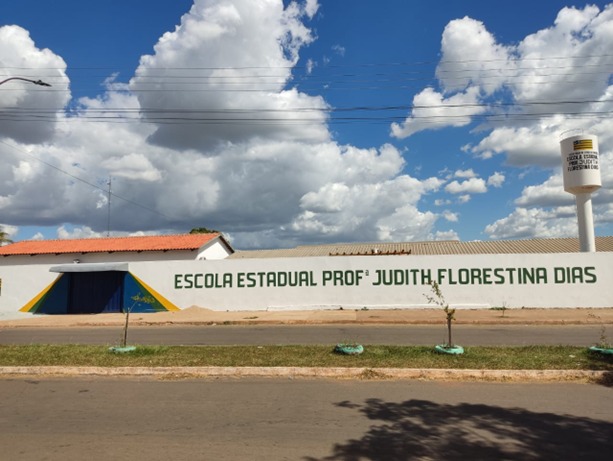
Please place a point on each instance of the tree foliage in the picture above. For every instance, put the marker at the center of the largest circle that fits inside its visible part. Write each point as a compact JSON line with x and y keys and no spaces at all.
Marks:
{"x":438,"y":299}
{"x":203,"y":230}
{"x":4,"y":238}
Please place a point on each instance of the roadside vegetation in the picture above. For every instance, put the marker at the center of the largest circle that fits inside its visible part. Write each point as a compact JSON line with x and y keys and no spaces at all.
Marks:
{"x":479,"y":358}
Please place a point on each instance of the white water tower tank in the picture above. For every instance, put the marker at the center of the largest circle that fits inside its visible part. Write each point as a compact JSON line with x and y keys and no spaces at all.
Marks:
{"x":581,"y":172}
{"x":580,"y":165}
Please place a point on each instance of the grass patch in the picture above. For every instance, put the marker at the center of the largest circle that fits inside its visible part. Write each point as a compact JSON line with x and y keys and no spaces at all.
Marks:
{"x":492,"y":358}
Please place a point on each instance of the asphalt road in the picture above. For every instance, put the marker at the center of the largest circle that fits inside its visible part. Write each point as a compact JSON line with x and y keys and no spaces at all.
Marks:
{"x":272,"y":419}
{"x":466,"y":335}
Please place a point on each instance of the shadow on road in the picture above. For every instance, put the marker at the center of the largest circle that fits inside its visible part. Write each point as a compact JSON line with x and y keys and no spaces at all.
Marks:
{"x":420,"y":429}
{"x":598,"y":361}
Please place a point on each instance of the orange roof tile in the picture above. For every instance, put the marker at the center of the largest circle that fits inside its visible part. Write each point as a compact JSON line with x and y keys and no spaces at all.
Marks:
{"x":111,"y":244}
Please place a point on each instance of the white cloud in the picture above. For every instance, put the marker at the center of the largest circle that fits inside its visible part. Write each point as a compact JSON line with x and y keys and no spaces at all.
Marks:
{"x":215,"y":70}
{"x":472,"y":67}
{"x":339,"y":50}
{"x":496,"y":180}
{"x":475,"y":70}
{"x":251,"y":177}
{"x":533,"y":223}
{"x":432,"y":110}
{"x":523,"y":146}
{"x":472,"y":57}
{"x":544,"y":94}
{"x":450,"y":216}
{"x":444,"y":235}
{"x":78,"y":233}
{"x":549,"y":193}
{"x":311,"y":7}
{"x":406,"y":224}
{"x":310,"y":65}
{"x":23,"y":172}
{"x":339,"y":210}
{"x":330,"y":198}
{"x":264,"y":184}
{"x":18,"y":99}
{"x":470,"y":186}
{"x":132,"y":166}
{"x":262,"y":165}
{"x":86,"y":232}
{"x":111,"y":83}
{"x":465,"y":173}
{"x":580,"y":38}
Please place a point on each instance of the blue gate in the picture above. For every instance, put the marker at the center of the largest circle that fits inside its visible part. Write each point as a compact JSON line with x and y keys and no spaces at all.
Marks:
{"x":96,"y":292}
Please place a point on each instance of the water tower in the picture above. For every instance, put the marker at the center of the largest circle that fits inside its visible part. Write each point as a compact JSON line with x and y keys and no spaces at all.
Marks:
{"x":581,"y":172}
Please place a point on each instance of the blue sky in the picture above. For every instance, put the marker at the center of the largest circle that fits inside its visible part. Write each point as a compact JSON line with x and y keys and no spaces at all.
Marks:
{"x":287,"y":123}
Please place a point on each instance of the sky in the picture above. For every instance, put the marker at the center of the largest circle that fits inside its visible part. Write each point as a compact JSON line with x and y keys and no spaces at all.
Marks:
{"x":285,"y":123}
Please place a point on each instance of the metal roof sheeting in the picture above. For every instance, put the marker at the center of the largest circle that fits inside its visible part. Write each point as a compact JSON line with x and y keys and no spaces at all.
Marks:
{"x":90,"y":267}
{"x":448,"y":247}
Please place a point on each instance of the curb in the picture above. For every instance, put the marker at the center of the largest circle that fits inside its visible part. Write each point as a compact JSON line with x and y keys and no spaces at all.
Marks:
{"x":602,"y":377}
{"x":6,"y":324}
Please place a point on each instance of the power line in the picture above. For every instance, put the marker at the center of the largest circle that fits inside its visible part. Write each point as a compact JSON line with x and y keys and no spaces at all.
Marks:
{"x":364,"y":65}
{"x":84,"y":181}
{"x":320,"y":71}
{"x":513,"y":76}
{"x":183,"y":80}
{"x":297,"y":115}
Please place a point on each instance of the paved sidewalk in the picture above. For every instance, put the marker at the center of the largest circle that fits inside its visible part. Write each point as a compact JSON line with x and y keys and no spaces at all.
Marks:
{"x":202,"y":316}
{"x":360,"y":373}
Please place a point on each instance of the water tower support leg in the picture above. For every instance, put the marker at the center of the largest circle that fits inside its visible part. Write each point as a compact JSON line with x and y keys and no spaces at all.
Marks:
{"x":586,"y":223}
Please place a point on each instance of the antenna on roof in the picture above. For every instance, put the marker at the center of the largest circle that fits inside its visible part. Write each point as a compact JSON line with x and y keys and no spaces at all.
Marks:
{"x":108,"y":218}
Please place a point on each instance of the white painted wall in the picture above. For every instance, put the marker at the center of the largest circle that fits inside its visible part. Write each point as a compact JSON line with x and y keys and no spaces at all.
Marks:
{"x":213,"y":250}
{"x":20,"y":283}
{"x":588,"y":284}
{"x":467,"y":281}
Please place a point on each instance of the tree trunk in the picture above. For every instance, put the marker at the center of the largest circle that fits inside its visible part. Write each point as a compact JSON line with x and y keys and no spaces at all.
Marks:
{"x":124,"y":342}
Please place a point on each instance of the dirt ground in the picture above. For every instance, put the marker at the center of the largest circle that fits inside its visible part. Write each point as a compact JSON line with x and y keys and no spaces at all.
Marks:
{"x":198,"y":315}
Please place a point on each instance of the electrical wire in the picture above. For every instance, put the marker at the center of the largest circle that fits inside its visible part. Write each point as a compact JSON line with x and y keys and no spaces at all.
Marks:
{"x":312,"y":115}
{"x":81,"y":180}
{"x":395,"y":76}
{"x":239,"y":74}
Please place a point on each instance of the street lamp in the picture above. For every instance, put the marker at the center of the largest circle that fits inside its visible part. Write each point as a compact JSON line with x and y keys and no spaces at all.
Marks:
{"x":35,"y":82}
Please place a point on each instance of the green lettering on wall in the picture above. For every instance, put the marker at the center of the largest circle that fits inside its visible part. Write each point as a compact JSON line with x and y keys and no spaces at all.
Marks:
{"x":474,"y":276}
{"x":487,"y":273}
{"x":590,"y":275}
{"x":559,"y":275}
{"x":499,"y":276}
